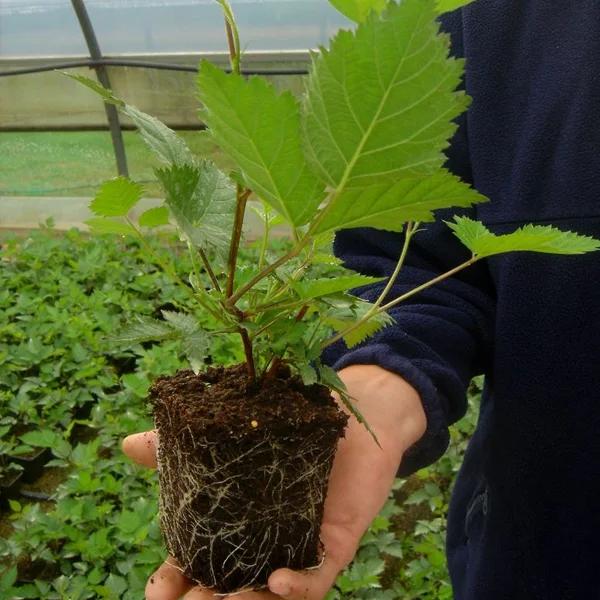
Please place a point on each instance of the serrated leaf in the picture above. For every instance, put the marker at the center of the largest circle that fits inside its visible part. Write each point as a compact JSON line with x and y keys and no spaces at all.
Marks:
{"x":391,"y":205}
{"x":194,"y":339}
{"x":363,"y":331}
{"x":154,"y":217}
{"x":381,"y":101}
{"x":105,"y":225}
{"x":162,"y":140}
{"x":183,"y":322}
{"x":116,"y":197}
{"x":331,"y":379}
{"x":202,"y":201}
{"x":358,"y":10}
{"x":144,"y":329}
{"x":529,"y":238}
{"x":315,"y":288}
{"x":259,"y":129}
{"x":307,"y":373}
{"x":444,"y":6}
{"x":322,"y":258}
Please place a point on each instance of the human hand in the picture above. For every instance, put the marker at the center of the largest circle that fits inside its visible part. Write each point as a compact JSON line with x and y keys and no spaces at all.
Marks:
{"x":359,"y":484}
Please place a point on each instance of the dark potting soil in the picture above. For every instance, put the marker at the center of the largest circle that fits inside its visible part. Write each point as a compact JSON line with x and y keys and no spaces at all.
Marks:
{"x":224,"y":402}
{"x":243,"y":472}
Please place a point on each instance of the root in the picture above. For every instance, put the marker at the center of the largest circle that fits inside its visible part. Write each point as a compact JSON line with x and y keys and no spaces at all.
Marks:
{"x":233,"y":512}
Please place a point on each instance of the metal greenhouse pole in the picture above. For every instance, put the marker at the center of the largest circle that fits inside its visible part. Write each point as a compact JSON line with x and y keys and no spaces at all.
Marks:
{"x":111,"y":112}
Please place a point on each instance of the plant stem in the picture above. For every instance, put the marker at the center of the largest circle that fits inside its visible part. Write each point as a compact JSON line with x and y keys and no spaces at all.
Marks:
{"x":170,"y":271}
{"x":402,"y":298}
{"x":410,"y":230}
{"x":271,"y":298}
{"x":192,"y":254}
{"x":429,"y":284}
{"x":271,"y":372}
{"x":302,"y":312}
{"x":268,"y":270}
{"x":233,"y":38}
{"x":300,"y":244}
{"x":249,"y":354}
{"x":209,"y":270}
{"x":265,"y":239}
{"x":242,"y":198}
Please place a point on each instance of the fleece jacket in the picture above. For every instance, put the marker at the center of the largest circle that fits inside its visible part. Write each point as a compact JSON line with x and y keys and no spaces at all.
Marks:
{"x":524,"y":520}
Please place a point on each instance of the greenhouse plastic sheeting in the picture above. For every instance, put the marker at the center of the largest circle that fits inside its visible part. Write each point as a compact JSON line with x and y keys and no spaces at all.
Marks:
{"x":49,"y":27}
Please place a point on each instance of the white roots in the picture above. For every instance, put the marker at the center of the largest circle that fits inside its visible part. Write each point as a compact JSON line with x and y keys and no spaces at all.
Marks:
{"x":234,"y":511}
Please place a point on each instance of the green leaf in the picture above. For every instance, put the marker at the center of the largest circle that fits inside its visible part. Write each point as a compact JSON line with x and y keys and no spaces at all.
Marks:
{"x":8,"y":578}
{"x":202,"y":201}
{"x":444,"y":6}
{"x":390,"y":205}
{"x":164,"y":142}
{"x":307,"y":373}
{"x":104,"y":225}
{"x":330,"y":378}
{"x":260,"y":130}
{"x":380,"y":103}
{"x":358,"y":10}
{"x":144,"y":329}
{"x":116,"y":197}
{"x":154,"y":217}
{"x":97,"y":87}
{"x":315,"y":288}
{"x":532,"y":238}
{"x":363,"y":331}
{"x":182,"y":322}
{"x":116,"y":585}
{"x":206,"y":146}
{"x":44,"y":438}
{"x":194,"y":339}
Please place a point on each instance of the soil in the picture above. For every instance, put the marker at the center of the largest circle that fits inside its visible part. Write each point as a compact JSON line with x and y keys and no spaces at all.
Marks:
{"x":243,"y":470}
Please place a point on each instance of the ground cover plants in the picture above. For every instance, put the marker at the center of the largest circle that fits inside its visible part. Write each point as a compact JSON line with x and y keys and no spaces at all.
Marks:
{"x":362,"y":148}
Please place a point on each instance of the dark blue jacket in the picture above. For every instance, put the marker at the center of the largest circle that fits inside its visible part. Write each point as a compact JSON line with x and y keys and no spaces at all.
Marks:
{"x":524,"y":521}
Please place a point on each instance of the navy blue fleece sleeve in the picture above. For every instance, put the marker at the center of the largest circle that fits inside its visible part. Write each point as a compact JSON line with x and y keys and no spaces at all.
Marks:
{"x":441,"y":337}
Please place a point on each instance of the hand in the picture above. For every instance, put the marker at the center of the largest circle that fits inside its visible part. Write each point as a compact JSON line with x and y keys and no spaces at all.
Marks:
{"x":361,"y":478}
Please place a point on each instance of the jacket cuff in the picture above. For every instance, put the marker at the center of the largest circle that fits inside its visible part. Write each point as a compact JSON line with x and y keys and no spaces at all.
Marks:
{"x":435,"y":440}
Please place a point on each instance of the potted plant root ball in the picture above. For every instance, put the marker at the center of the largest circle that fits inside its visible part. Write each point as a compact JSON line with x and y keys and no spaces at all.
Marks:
{"x":246,"y":450}
{"x":244,"y":472}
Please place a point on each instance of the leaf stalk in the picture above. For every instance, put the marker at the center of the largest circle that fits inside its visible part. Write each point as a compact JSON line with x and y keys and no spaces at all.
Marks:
{"x":242,"y":199}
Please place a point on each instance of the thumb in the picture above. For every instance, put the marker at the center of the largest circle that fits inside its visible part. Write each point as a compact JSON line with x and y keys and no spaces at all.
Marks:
{"x":303,"y":585}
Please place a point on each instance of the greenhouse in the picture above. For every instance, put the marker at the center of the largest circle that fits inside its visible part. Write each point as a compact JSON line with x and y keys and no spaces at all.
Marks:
{"x":292,"y":302}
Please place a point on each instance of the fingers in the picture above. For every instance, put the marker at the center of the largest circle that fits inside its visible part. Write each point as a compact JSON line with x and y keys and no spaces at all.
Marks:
{"x":203,"y":594}
{"x":141,"y":448}
{"x":314,"y":584}
{"x":167,"y":582}
{"x":199,"y":594}
{"x":302,"y":585}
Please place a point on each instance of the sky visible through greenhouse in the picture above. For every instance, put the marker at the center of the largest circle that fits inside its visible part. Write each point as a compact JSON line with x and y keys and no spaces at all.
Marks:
{"x":49,"y":27}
